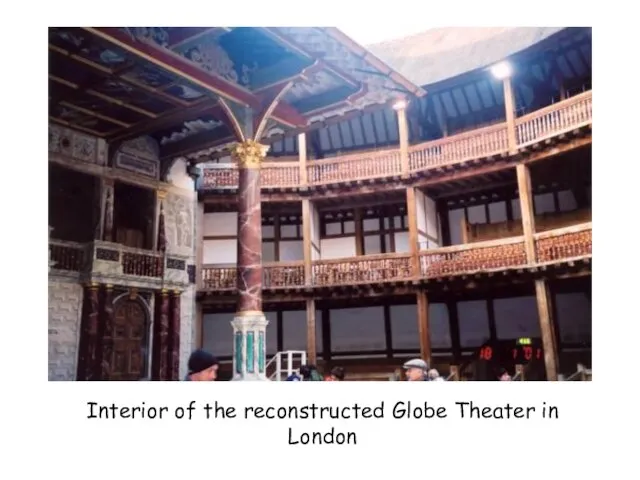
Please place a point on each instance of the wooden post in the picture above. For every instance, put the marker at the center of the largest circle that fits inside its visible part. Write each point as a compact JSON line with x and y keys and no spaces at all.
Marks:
{"x":510,"y":115}
{"x":311,"y":331}
{"x":306,"y":240}
{"x":403,"y":135}
{"x":546,"y":328}
{"x":357,"y":218}
{"x":423,"y":325}
{"x":526,"y":209}
{"x":412,"y":217}
{"x":302,"y":156}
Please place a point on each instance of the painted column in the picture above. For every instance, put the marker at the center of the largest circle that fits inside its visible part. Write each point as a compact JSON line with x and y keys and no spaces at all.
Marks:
{"x":88,"y":369}
{"x":249,"y":324}
{"x":106,"y":321}
{"x":160,"y":355}
{"x":174,"y":337}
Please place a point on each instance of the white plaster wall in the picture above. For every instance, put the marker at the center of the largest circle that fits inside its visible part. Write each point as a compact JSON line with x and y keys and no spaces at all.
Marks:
{"x":421,"y":213}
{"x":219,"y":252}
{"x":65,"y":310}
{"x":431,"y":218}
{"x":341,"y":247}
{"x":402,"y":242}
{"x":220,"y":224}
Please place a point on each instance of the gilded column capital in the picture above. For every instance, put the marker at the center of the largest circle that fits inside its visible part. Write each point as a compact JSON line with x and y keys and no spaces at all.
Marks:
{"x":161,"y":194}
{"x":249,"y":154}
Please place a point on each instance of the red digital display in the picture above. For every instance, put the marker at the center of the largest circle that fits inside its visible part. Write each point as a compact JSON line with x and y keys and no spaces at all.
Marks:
{"x":517,"y":352}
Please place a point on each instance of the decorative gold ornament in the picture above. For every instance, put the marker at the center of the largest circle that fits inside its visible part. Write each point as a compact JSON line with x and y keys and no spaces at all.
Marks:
{"x":249,"y":154}
{"x":133,"y":294}
{"x":161,"y":194}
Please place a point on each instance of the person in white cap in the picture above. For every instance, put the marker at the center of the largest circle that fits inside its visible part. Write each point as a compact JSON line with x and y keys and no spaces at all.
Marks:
{"x":416,"y":370}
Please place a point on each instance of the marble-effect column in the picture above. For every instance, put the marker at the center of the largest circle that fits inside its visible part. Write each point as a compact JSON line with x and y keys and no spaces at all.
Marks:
{"x":174,"y":337}
{"x":107,"y":323}
{"x":88,"y":368}
{"x":249,"y":324}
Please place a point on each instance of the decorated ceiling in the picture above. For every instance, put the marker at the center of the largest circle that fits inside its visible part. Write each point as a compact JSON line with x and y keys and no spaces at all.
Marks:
{"x":179,"y":85}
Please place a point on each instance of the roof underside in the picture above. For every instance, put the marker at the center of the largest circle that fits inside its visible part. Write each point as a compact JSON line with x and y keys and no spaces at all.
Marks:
{"x":169,"y":83}
{"x":444,"y":53}
{"x":473,"y":99}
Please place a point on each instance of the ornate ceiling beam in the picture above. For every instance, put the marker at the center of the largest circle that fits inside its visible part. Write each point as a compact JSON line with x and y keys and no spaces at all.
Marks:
{"x":168,"y":120}
{"x":200,"y":142}
{"x":188,"y":34}
{"x":287,"y":42}
{"x":102,"y":96}
{"x":178,"y":65}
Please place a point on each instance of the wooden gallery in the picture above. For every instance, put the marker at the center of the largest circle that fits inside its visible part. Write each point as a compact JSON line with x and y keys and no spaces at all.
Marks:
{"x":285,"y":195}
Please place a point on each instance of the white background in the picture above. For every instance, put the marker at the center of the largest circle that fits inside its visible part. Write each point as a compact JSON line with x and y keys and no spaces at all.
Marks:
{"x":43,"y":428}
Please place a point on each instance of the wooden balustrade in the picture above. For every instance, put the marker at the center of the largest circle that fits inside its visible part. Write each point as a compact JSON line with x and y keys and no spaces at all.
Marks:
{"x":479,"y":143}
{"x":143,"y":264}
{"x":280,"y":174}
{"x":562,"y":117}
{"x":363,"y":269}
{"x":564,"y":243}
{"x":472,"y":258}
{"x":68,"y":256}
{"x":276,"y":275}
{"x":358,"y":166}
{"x":552,"y":246}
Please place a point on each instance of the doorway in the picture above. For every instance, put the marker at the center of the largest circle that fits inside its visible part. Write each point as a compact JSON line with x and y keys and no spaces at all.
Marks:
{"x":129,"y":358}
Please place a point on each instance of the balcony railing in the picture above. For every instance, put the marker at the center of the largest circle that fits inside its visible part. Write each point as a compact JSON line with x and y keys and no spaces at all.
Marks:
{"x":564,"y":243}
{"x":115,"y":261}
{"x":274,"y":275}
{"x":474,"y":257}
{"x":553,"y":246}
{"x":556,"y":119}
{"x":67,"y":256}
{"x":551,"y":121}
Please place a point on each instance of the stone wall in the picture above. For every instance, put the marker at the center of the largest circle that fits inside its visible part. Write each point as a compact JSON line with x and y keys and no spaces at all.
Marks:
{"x":65,"y":308}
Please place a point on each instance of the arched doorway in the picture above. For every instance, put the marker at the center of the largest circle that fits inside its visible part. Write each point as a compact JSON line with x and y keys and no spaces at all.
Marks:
{"x":129,"y":342}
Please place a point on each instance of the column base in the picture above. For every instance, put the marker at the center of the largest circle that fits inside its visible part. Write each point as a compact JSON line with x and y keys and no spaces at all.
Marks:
{"x":249,"y":346}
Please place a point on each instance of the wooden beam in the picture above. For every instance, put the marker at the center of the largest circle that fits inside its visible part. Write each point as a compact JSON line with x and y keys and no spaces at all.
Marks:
{"x":510,"y":115}
{"x":357,"y":218}
{"x":311,"y":331}
{"x":174,"y":118}
{"x":526,"y":210}
{"x":403,"y":135}
{"x":307,"y":218}
{"x":546,"y":328}
{"x":180,"y":66}
{"x":302,"y":158}
{"x":412,"y":217}
{"x":326,"y":335}
{"x":423,"y":325}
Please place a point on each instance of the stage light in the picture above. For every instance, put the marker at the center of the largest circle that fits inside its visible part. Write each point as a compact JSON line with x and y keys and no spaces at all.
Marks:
{"x":400,"y":104}
{"x":502,"y":70}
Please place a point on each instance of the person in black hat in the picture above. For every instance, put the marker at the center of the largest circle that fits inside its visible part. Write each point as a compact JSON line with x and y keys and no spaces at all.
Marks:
{"x":203,"y":367}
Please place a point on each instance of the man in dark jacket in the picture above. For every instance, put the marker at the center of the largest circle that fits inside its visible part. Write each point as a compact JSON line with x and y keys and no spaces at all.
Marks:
{"x":203,"y":367}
